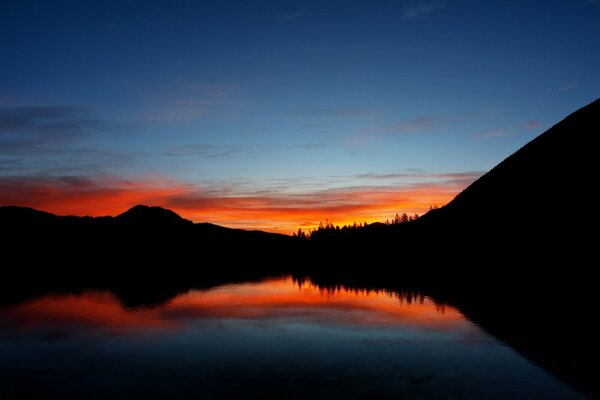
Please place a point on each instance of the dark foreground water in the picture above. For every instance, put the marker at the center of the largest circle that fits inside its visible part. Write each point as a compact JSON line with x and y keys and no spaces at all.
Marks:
{"x":270,"y":339}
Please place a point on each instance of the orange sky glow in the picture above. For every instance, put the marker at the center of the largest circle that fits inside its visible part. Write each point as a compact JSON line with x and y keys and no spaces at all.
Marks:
{"x":270,"y":210}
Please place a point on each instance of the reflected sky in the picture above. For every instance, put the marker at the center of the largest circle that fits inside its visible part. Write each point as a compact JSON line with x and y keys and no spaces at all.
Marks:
{"x":263,"y":339}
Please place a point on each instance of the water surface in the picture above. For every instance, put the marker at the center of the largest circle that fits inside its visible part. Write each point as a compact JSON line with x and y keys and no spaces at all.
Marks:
{"x":276,"y":338}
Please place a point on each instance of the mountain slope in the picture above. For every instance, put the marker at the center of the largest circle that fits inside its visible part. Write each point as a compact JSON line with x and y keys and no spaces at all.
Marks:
{"x":140,"y":236}
{"x":545,"y":184}
{"x":144,"y":215}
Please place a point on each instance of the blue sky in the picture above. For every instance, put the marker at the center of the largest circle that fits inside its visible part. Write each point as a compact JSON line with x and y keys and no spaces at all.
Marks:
{"x":234,"y":100}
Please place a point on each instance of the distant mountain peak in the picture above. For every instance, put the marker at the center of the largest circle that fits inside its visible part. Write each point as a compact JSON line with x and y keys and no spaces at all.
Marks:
{"x":151,"y":215}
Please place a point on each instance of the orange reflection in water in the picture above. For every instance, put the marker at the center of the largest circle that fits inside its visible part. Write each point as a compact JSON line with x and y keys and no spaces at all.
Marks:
{"x":269,"y":300}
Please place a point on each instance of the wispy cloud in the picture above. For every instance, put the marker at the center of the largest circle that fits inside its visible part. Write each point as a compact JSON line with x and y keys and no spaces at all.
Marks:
{"x":340,"y":112}
{"x":369,"y":135}
{"x":293,"y":16}
{"x":188,"y":101}
{"x":518,"y":128}
{"x":315,"y":126}
{"x":181,"y":110}
{"x":421,"y":9}
{"x":34,"y":131}
{"x":567,"y":87}
{"x":416,"y":125}
{"x":47,"y":121}
{"x":421,"y":175}
{"x":532,"y":125}
{"x":208,"y":151}
{"x":492,"y":133}
{"x":360,"y":140}
{"x":221,"y":151}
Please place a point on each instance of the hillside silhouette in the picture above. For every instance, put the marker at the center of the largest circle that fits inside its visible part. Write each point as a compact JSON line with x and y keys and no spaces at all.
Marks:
{"x":540,"y":193}
{"x":151,"y":216}
{"x":139,"y":239}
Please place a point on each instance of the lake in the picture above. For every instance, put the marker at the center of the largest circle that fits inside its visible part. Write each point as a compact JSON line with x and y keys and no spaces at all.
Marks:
{"x":272,"y":338}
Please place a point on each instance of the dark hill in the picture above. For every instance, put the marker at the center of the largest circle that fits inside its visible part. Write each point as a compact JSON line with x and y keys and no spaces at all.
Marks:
{"x":15,"y":216}
{"x":543,"y":188}
{"x":148,"y":216}
{"x":131,"y":241}
{"x":516,"y":249}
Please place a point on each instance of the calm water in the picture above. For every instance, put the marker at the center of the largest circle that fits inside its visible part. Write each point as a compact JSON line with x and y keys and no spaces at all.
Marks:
{"x":268,"y":339}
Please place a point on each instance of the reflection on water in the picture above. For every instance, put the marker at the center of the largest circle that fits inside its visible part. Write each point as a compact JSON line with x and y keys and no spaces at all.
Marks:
{"x":272,"y":339}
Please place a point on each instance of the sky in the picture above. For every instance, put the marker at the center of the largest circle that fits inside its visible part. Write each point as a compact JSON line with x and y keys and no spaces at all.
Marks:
{"x":276,"y":115}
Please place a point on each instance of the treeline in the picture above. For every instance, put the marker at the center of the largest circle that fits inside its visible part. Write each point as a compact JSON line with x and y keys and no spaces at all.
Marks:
{"x":328,"y":230}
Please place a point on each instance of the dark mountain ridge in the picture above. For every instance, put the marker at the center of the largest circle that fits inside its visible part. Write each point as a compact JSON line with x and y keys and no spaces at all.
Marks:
{"x":144,"y":215}
{"x":548,"y":182}
{"x":140,"y":238}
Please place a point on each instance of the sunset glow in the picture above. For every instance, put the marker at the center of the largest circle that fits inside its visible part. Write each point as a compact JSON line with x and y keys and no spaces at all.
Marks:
{"x":270,"y":299}
{"x":270,"y":211}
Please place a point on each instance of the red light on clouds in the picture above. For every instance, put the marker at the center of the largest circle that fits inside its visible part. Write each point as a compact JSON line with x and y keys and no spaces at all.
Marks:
{"x":282,"y":212}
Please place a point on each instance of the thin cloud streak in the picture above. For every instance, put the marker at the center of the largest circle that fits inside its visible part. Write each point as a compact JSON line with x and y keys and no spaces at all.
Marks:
{"x":422,"y":9}
{"x":414,"y":125}
{"x":417,"y":124}
{"x":415,"y":174}
{"x":532,"y":125}
{"x":567,"y":87}
{"x":44,"y":123}
{"x":492,"y":133}
{"x":340,"y":112}
{"x":222,"y":151}
{"x":295,"y":15}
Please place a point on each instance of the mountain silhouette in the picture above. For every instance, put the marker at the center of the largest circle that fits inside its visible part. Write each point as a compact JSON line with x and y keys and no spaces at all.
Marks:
{"x":543,"y":188}
{"x":138,"y":237}
{"x":151,"y":216}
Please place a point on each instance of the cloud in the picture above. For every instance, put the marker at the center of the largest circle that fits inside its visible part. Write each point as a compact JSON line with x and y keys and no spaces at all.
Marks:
{"x":188,"y":101}
{"x":35,"y":130}
{"x":241,"y":205}
{"x":57,"y":159}
{"x":295,"y":15}
{"x":469,"y":176}
{"x":417,"y":124}
{"x":515,"y":129}
{"x":52,"y":139}
{"x":181,"y":110}
{"x":360,"y":140}
{"x":567,"y":87}
{"x":492,"y":133}
{"x":315,"y":126}
{"x":532,"y":125}
{"x":340,"y":112}
{"x":422,"y":9}
{"x":414,"y":125}
{"x":55,"y":121}
{"x":222,"y":151}
{"x":369,"y":135}
{"x":208,"y":151}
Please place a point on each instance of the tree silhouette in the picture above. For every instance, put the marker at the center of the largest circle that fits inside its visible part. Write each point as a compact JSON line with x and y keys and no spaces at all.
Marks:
{"x":329,"y":231}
